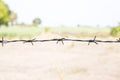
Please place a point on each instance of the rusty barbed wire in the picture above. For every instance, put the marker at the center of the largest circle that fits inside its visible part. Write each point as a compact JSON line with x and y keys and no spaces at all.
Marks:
{"x":89,"y":41}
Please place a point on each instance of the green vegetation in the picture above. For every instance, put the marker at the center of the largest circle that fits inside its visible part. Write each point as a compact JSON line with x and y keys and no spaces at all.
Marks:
{"x":4,"y":13}
{"x":37,"y":21}
{"x":82,"y":31}
{"x":31,"y":32}
{"x":115,"y":31}
{"x":19,"y":32}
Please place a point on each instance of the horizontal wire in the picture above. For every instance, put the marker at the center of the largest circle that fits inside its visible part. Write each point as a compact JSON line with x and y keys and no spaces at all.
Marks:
{"x":59,"y":40}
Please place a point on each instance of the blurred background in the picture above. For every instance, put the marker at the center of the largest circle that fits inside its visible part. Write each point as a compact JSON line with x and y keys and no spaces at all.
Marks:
{"x":79,"y":18}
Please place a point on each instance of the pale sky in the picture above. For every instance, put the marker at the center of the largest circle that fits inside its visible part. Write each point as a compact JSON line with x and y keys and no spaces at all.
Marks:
{"x":67,"y":12}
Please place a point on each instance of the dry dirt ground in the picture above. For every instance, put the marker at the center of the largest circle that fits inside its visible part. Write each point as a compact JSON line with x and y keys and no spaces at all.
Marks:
{"x":50,"y":61}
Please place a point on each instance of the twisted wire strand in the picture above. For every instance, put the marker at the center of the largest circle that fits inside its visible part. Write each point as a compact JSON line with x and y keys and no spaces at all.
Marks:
{"x":94,"y":40}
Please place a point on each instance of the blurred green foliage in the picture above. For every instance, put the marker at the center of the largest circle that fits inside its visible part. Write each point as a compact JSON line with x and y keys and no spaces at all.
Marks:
{"x":37,"y":21}
{"x":4,"y":13}
{"x":115,"y":31}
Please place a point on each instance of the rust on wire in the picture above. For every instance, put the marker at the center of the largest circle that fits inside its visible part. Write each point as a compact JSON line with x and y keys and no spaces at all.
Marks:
{"x":60,"y":40}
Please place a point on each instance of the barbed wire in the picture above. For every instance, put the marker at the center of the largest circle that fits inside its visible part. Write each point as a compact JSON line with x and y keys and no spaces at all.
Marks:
{"x":94,"y":40}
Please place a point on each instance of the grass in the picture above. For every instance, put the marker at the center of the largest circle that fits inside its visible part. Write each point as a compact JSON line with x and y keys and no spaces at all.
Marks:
{"x":79,"y":29}
{"x":82,"y":31}
{"x":30,"y":32}
{"x":20,"y":32}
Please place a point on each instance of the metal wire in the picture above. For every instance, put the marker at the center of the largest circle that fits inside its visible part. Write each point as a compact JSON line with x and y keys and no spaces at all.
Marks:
{"x":3,"y":41}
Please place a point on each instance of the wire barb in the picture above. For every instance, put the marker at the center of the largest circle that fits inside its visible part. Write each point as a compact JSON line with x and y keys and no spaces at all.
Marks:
{"x":118,"y":39}
{"x":94,"y":41}
{"x":30,"y":41}
{"x":62,"y":39}
{"x":2,"y":41}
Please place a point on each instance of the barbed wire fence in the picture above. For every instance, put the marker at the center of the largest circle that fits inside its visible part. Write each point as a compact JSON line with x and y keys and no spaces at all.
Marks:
{"x":57,"y":40}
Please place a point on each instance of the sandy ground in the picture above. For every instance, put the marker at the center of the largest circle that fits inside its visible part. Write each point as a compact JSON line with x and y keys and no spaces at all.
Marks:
{"x":50,"y":61}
